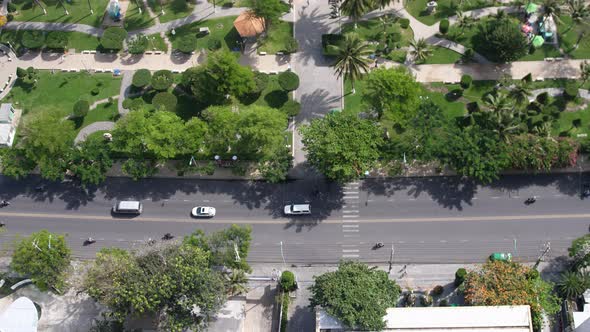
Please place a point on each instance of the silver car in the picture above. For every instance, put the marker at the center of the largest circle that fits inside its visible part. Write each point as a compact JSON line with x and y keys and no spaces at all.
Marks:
{"x":203,"y":212}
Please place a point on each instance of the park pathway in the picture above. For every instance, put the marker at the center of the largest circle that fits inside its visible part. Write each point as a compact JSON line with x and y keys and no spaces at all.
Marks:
{"x":92,"y":128}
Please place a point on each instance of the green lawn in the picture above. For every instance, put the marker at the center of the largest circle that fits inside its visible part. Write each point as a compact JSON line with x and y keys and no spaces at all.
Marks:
{"x":278,"y":35}
{"x":570,"y":34}
{"x":221,"y":28}
{"x":446,"y":8}
{"x":102,"y":112}
{"x":79,"y":41}
{"x":545,"y":51}
{"x":78,"y":11}
{"x":173,"y":9}
{"x":134,"y":19}
{"x":442,"y":55}
{"x":374,"y":29}
{"x":58,"y":92}
{"x":157,"y":43}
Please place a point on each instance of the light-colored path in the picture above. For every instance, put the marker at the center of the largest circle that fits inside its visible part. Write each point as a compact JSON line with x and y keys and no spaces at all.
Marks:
{"x":554,"y":92}
{"x":126,"y":80}
{"x":92,"y":128}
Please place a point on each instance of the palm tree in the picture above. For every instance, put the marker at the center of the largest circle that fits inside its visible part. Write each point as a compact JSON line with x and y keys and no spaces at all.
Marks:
{"x":584,"y":72}
{"x":382,"y":3}
{"x":572,"y":284}
{"x":500,"y":15}
{"x":463,"y":21}
{"x":501,"y":116}
{"x":356,"y":8}
{"x":236,"y":281}
{"x":498,"y":102}
{"x":579,"y":10}
{"x":552,"y":8}
{"x":520,"y":92}
{"x":351,"y":58}
{"x":420,"y":49}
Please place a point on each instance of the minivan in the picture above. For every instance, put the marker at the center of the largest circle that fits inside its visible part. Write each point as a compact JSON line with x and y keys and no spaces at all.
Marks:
{"x":297,"y":209}
{"x":129,"y":207}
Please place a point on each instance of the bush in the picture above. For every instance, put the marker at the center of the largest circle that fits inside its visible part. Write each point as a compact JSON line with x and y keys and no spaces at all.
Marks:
{"x":127,"y":103}
{"x":473,"y":107}
{"x":438,"y":290}
{"x":460,"y":276}
{"x":543,"y":98}
{"x":136,"y":104}
{"x":187,"y":44}
{"x":162,"y":80}
{"x":9,"y":17}
{"x":21,"y":72}
{"x":454,"y":95}
{"x":166,"y":100}
{"x":466,"y":81}
{"x":287,"y":281}
{"x":291,"y":108}
{"x":95,"y":91}
{"x":425,"y":300}
{"x":213,"y":44}
{"x":57,"y":40}
{"x":11,"y":7}
{"x":291,"y":45}
{"x":404,"y":23}
{"x":137,"y":44}
{"x":112,"y":38}
{"x":571,"y":90}
{"x":261,"y":82}
{"x":468,"y":55}
{"x":288,"y":80}
{"x":443,"y":27}
{"x":528,"y":78}
{"x":443,"y":303}
{"x":33,"y":39}
{"x":141,"y":78}
{"x":81,"y":108}
{"x":501,"y":41}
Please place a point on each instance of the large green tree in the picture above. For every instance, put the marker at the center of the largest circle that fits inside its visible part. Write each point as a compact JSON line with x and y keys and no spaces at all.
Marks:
{"x":112,"y":38}
{"x":393,"y":93}
{"x":508,"y":283}
{"x":356,"y":294}
{"x":44,"y":257}
{"x":421,"y":50}
{"x":91,"y":160}
{"x":269,"y":10}
{"x":342,"y":145}
{"x":351,"y":58}
{"x":501,"y":40}
{"x":580,"y":251}
{"x":356,"y":8}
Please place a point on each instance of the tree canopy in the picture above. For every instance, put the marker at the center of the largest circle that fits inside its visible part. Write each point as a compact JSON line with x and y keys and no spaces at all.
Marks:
{"x":113,"y":37}
{"x":580,"y":251}
{"x":91,"y":160}
{"x":57,"y":40}
{"x":509,"y":283}
{"x":501,"y":40}
{"x":141,"y":78}
{"x":356,"y":294}
{"x":270,"y":10}
{"x":342,"y":145}
{"x":44,"y":257}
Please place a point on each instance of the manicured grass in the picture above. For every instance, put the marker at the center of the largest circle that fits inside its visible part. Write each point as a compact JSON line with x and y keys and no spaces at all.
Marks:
{"x":566,"y":123}
{"x":374,"y":30}
{"x":570,"y":34}
{"x":57,"y":93}
{"x":397,"y":56}
{"x":157,"y":43}
{"x":445,"y":8}
{"x":442,"y":55}
{"x":102,"y":112}
{"x":134,"y":19}
{"x":221,"y":28}
{"x":78,"y":11}
{"x":353,"y":102}
{"x":278,"y":35}
{"x":79,"y":41}
{"x":545,"y":51}
{"x":173,"y":9}
{"x":273,"y":95}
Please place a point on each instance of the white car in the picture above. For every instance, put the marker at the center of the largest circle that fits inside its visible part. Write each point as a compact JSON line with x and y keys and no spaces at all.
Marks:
{"x":297,"y":209}
{"x":203,"y":211}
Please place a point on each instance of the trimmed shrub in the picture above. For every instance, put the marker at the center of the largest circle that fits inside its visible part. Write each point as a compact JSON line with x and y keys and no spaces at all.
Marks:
{"x":57,"y":40}
{"x":571,"y":90}
{"x":261,"y":82}
{"x":460,"y":276}
{"x":438,"y":290}
{"x":466,"y":81}
{"x":136,"y":104}
{"x":81,"y":108}
{"x":288,"y":80}
{"x":291,"y":108}
{"x":162,"y":80}
{"x":141,"y":78}
{"x":291,"y":45}
{"x":187,"y":43}
{"x":528,"y":78}
{"x":287,"y":281}
{"x":454,"y":95}
{"x":137,"y":44}
{"x":33,"y":39}
{"x":112,"y":38}
{"x":404,"y":23}
{"x":11,"y":7}
{"x":213,"y":44}
{"x":95,"y":91}
{"x":21,"y":72}
{"x":543,"y":98}
{"x":165,"y":100}
{"x":443,"y":27}
{"x":127,"y":103}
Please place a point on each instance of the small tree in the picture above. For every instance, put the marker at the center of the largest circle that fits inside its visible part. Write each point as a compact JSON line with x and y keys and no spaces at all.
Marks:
{"x":287,"y":282}
{"x":57,"y":40}
{"x":571,"y":90}
{"x":81,"y":108}
{"x":466,"y":81}
{"x":460,"y":276}
{"x":33,"y":39}
{"x":288,"y":80}
{"x":162,"y":80}
{"x":443,"y":27}
{"x":291,"y":45}
{"x":187,"y":44}
{"x":44,"y":257}
{"x":165,"y":100}
{"x":113,"y":37}
{"x":213,"y":44}
{"x":501,"y":41}
{"x":137,"y":44}
{"x":261,"y":82}
{"x":141,"y":78}
{"x":21,"y":72}
{"x":291,"y":108}
{"x":580,"y":251}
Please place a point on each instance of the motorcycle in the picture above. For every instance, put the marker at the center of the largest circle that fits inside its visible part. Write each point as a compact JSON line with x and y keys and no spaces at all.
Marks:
{"x":89,"y":241}
{"x":167,"y":236}
{"x":530,"y":200}
{"x":4,"y":203}
{"x":378,"y":245}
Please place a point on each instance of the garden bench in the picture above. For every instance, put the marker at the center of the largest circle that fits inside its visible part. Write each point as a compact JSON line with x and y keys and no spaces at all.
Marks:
{"x":262,"y":53}
{"x":204,"y":30}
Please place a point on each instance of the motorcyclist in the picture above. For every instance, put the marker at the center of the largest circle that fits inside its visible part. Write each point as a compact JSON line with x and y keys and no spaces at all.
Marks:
{"x":378,"y":244}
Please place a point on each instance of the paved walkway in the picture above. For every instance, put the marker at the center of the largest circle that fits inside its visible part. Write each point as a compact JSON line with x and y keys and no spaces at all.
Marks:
{"x":45,"y":26}
{"x":554,"y":92}
{"x":92,"y":128}
{"x":126,"y":80}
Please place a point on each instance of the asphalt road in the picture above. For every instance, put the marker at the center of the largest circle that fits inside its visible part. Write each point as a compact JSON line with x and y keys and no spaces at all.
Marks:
{"x":428,"y":220}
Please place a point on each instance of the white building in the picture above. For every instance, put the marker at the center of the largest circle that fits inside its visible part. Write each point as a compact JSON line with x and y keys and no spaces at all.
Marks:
{"x":9,"y":118}
{"x":20,"y":316}
{"x":444,"y":319}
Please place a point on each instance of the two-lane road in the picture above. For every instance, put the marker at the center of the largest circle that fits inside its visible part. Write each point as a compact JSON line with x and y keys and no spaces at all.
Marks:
{"x":429,"y":220}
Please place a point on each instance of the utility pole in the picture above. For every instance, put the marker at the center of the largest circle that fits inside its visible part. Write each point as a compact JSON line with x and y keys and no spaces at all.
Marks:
{"x":391,"y":258}
{"x":544,"y":252}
